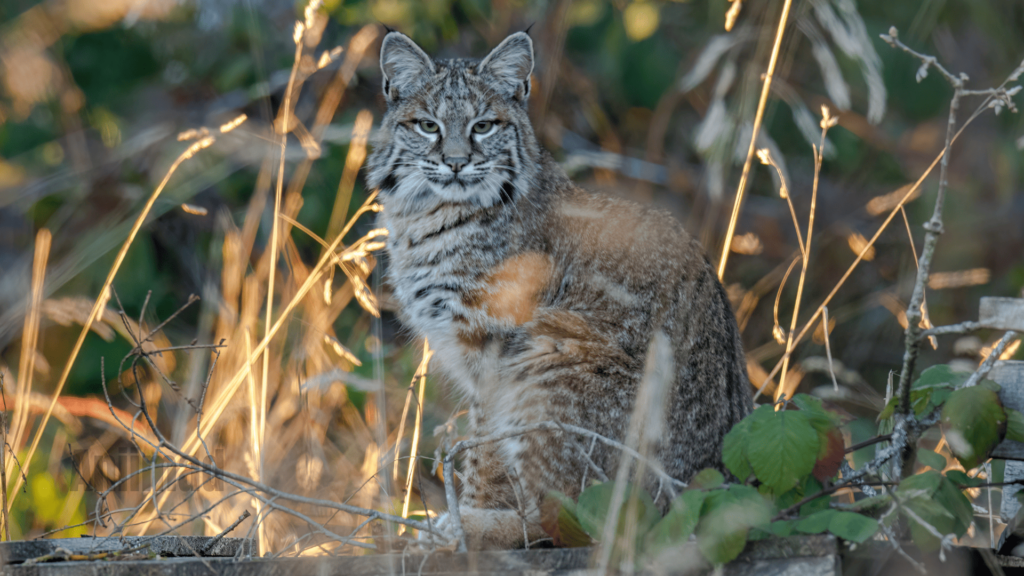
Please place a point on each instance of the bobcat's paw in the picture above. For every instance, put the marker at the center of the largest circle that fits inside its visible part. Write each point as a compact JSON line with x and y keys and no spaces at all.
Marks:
{"x":444,"y":539}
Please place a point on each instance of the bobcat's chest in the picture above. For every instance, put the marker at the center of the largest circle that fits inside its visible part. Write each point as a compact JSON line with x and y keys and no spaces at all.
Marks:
{"x":463,"y":287}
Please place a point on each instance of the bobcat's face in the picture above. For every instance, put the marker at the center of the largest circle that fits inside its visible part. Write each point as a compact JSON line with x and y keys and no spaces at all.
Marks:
{"x":455,"y":130}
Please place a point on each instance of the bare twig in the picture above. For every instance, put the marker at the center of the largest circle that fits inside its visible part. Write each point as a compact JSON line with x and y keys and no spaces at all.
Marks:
{"x":213,"y":541}
{"x":990,"y":361}
{"x":869,"y":442}
{"x":934,"y":227}
{"x":961,"y":328}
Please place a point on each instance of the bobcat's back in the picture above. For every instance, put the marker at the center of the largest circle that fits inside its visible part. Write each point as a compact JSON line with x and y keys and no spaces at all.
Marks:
{"x":540,"y":299}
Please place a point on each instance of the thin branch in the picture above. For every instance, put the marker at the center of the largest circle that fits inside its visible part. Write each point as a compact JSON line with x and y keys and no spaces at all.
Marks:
{"x":961,"y":328}
{"x":213,"y":541}
{"x":990,"y":361}
{"x":892,"y":39}
{"x":869,"y":442}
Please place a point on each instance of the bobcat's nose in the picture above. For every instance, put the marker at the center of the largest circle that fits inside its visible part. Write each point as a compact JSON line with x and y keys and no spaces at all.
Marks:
{"x":456,"y":163}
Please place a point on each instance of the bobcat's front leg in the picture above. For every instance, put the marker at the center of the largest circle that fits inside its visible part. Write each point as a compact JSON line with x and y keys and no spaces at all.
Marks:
{"x":501,"y":510}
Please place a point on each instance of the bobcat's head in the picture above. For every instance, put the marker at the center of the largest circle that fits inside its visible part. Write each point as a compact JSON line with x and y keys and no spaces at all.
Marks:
{"x":455,"y":130}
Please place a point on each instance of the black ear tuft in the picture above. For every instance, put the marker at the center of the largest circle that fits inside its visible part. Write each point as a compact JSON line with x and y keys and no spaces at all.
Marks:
{"x":527,"y":31}
{"x":406,"y":67}
{"x":509,"y":66}
{"x":388,"y":28}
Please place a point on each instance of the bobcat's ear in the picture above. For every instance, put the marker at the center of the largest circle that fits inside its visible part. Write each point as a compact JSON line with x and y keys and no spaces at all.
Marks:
{"x":509,"y":65}
{"x":404,"y":64}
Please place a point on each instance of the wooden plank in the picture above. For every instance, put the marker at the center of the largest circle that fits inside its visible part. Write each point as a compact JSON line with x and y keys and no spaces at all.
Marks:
{"x":796,"y":556}
{"x":191,"y":546}
{"x":1002,"y":313}
{"x":1009,"y":374}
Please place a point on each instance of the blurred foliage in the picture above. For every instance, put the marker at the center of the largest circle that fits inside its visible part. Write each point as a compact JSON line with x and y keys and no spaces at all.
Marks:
{"x":92,"y":94}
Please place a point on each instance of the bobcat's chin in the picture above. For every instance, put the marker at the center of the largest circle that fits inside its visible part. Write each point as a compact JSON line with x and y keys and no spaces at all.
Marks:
{"x":482,"y":191}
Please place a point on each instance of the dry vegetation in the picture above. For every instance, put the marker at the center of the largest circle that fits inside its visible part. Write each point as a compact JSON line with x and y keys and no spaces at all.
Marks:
{"x":279,"y":405}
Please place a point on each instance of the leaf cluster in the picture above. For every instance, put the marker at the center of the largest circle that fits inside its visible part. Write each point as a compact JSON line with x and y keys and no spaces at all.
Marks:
{"x":785,"y":461}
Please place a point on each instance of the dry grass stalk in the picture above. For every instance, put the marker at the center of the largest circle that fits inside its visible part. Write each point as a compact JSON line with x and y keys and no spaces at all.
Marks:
{"x":909,"y":194}
{"x":105,"y":291}
{"x":758,"y":117}
{"x":4,"y":518}
{"x":421,"y":375}
{"x":26,"y":364}
{"x":284,"y":114}
{"x":645,"y":428}
{"x":827,"y":121}
{"x":256,"y":417}
{"x":227,"y":390}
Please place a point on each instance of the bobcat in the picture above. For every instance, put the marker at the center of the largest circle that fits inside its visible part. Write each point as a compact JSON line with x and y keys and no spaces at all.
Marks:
{"x":540,"y":298}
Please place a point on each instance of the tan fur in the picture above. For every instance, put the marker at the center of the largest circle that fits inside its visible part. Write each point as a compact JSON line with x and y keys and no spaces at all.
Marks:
{"x":540,"y":299}
{"x":512,"y":288}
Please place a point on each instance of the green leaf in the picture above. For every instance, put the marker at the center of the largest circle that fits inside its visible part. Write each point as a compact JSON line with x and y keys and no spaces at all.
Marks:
{"x":1014,"y":425}
{"x":816,"y":523}
{"x":973,"y":420}
{"x":959,"y":478}
{"x":820,"y":417}
{"x":990,"y":385}
{"x":783,"y":447}
{"x":734,"y":452}
{"x":931,"y":459}
{"x":592,"y":507}
{"x":759,"y":511}
{"x":558,"y":518}
{"x":938,"y":502}
{"x":920,"y":401}
{"x":812,"y":486}
{"x":872,"y":503}
{"x":677,"y":525}
{"x":593,"y":504}
{"x":852,"y":526}
{"x":940,"y":395}
{"x":932,"y":513}
{"x":726,"y":518}
{"x":783,"y":528}
{"x":707,"y":479}
{"x":722,"y":531}
{"x":953,"y":500}
{"x":938,"y":376}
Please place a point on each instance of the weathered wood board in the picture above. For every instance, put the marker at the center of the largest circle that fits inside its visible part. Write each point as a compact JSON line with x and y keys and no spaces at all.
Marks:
{"x":796,"y":556}
{"x":1002,"y":313}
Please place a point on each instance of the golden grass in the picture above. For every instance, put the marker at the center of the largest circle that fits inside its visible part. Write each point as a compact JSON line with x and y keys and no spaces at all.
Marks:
{"x":741,"y":188}
{"x":105,"y":295}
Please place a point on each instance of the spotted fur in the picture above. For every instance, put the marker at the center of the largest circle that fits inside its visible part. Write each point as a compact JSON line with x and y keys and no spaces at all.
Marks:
{"x":540,"y":298}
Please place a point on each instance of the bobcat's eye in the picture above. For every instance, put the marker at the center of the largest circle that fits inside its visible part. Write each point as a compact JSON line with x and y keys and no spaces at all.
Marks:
{"x":482,"y":127}
{"x":428,"y":126}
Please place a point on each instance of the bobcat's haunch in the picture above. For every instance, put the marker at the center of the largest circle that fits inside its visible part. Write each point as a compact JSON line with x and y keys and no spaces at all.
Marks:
{"x":539,"y":298}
